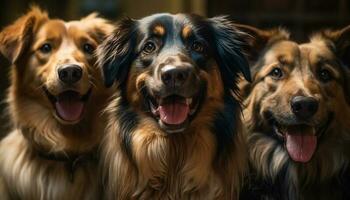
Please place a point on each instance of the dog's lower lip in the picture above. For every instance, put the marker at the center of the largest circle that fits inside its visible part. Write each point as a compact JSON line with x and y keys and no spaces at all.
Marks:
{"x":173,"y":128}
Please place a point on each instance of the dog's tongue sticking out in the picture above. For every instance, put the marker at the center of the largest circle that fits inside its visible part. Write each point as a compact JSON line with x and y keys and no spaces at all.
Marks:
{"x":301,"y":146}
{"x":174,"y":112}
{"x":69,"y":106}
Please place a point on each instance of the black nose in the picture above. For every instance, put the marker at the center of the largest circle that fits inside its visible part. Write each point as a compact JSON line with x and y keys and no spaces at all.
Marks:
{"x":70,"y":74}
{"x":173,"y":76}
{"x":304,"y":107}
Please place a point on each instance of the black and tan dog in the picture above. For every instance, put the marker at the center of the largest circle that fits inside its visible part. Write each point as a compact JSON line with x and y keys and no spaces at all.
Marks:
{"x":297,"y":112}
{"x":174,"y":129}
{"x":55,"y":98}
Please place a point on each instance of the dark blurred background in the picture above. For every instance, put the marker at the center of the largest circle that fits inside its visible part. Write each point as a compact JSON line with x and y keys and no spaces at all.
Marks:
{"x":301,"y":17}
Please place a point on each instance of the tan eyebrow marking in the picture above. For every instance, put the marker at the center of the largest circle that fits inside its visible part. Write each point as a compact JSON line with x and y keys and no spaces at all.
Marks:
{"x":186,"y":31}
{"x":159,"y":30}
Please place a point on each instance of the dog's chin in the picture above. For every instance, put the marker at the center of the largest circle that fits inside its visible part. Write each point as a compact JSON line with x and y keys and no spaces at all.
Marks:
{"x":173,"y":112}
{"x":300,"y":139}
{"x":69,"y":105}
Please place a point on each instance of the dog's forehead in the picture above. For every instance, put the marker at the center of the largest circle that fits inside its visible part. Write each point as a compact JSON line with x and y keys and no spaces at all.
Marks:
{"x":316,"y":51}
{"x":165,"y":23}
{"x":284,"y":51}
{"x":53,"y":28}
{"x":58,"y":27}
{"x":77,"y":25}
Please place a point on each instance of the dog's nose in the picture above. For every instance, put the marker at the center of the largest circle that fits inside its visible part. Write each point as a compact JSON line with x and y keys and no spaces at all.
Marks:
{"x":173,"y":76}
{"x":70,"y":74}
{"x":304,"y":107}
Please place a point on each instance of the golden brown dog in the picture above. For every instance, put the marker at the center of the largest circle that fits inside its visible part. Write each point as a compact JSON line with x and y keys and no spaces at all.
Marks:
{"x":297,"y":112}
{"x":55,"y":99}
{"x":174,"y":128}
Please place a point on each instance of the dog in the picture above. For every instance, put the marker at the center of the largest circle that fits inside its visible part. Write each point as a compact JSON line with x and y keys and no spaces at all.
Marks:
{"x":296,"y":112}
{"x":54,"y":102}
{"x":174,"y":130}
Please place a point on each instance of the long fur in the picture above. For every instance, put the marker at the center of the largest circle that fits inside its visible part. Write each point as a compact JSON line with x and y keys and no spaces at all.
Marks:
{"x":140,"y":161}
{"x":274,"y":175}
{"x":24,"y":171}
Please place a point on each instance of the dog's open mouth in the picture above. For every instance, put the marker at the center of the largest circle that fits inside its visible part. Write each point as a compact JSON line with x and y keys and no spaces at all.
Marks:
{"x":173,"y":112}
{"x":301,"y":139}
{"x":69,"y":105}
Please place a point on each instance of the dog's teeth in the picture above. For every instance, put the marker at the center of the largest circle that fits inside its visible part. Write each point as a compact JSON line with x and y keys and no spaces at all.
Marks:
{"x":189,"y":101}
{"x":153,"y":109}
{"x":313,"y":130}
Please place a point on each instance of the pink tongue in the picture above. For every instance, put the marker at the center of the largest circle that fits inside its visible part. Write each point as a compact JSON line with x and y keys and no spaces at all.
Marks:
{"x":174,"y":113}
{"x":69,"y":110}
{"x":301,"y":147}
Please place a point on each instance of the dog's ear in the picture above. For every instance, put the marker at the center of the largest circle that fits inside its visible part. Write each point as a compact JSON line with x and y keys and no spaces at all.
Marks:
{"x":341,"y":41}
{"x":228,"y":52}
{"x":116,"y":53}
{"x":16,"y":38}
{"x":100,"y":27}
{"x":256,"y":40}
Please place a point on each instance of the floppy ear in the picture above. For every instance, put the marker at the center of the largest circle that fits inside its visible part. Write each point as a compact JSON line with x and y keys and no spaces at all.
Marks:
{"x":16,"y":38}
{"x":341,"y":40}
{"x":257,"y":39}
{"x":116,"y":53}
{"x":228,"y":52}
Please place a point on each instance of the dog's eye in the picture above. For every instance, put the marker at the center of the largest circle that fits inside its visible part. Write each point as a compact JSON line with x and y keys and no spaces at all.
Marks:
{"x":149,"y":47}
{"x":46,"y":48}
{"x":198,"y":47}
{"x":88,"y":48}
{"x":325,"y":75}
{"x":276,"y":73}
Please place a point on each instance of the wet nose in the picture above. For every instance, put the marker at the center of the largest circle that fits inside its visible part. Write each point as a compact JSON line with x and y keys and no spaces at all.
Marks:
{"x":173,"y":76}
{"x":70,"y":74}
{"x":304,"y":107}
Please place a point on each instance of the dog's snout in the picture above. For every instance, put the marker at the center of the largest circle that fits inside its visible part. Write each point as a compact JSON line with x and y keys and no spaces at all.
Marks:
{"x":304,"y":107}
{"x":173,"y":76}
{"x":70,"y":74}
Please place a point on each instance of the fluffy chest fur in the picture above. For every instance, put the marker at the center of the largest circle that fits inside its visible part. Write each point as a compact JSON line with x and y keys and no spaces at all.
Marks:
{"x":28,"y":176}
{"x":179,"y":166}
{"x":174,"y":130}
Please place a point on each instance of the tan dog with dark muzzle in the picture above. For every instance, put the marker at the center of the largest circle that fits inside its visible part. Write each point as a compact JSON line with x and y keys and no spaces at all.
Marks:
{"x":297,"y":112}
